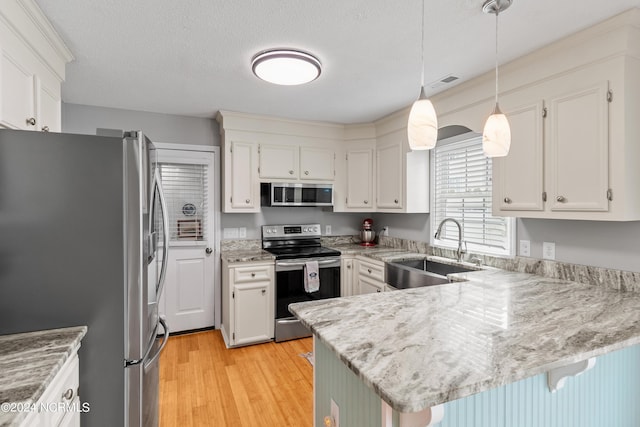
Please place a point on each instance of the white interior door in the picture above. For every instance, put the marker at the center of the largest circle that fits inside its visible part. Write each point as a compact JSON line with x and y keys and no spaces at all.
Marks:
{"x":188,"y":181}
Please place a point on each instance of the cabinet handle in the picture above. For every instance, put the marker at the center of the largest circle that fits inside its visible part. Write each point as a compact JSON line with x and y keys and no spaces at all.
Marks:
{"x":31,"y":121}
{"x":45,"y":129}
{"x":247,"y":201}
{"x":561,"y":199}
{"x":366,"y":202}
{"x":290,"y":172}
{"x":395,"y":201}
{"x":264,"y":291}
{"x":507,"y":200}
{"x":68,"y":395}
{"x":306,"y":172}
{"x":208,"y":251}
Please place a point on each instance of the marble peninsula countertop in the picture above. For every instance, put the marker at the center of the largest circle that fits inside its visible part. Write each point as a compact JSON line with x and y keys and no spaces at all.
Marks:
{"x":417,"y":348}
{"x":29,"y":362}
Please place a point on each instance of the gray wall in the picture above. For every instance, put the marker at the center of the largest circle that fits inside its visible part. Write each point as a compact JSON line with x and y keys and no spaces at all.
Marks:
{"x":158,"y":127}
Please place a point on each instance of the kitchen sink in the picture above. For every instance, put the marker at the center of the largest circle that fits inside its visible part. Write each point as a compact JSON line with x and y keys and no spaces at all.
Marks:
{"x":418,"y":273}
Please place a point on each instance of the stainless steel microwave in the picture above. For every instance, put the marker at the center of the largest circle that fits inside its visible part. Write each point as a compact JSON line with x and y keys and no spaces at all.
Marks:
{"x":296,"y":194}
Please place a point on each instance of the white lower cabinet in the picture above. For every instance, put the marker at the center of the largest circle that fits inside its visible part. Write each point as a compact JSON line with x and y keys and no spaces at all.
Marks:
{"x":247,"y":302}
{"x":370,"y":276}
{"x":59,"y":405}
{"x":347,"y":275}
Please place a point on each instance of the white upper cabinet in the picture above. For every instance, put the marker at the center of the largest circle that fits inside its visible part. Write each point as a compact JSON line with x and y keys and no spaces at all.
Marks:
{"x":278,"y":161}
{"x":579,"y":149}
{"x":293,"y":162}
{"x":32,"y":68}
{"x":389,"y":185}
{"x":359,"y":192}
{"x":518,"y":177}
{"x":242,"y":193}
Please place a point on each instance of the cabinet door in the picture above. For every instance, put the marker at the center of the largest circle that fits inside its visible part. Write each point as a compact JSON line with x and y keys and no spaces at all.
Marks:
{"x":369,"y":286}
{"x":18,"y":94}
{"x":390,"y":175}
{"x":278,"y":161}
{"x":243,"y":185}
{"x":578,"y":150}
{"x":360,"y":179}
{"x":317,"y":163}
{"x":518,"y":177}
{"x":49,"y":106}
{"x":252,"y":317}
{"x":346,"y":277}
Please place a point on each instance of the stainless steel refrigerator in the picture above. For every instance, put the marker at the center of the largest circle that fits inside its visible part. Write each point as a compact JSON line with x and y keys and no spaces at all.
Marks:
{"x":83,"y":242}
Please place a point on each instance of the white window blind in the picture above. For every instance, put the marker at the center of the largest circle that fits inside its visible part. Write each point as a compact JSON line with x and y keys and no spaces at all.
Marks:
{"x":462,"y":190}
{"x":186,"y":192}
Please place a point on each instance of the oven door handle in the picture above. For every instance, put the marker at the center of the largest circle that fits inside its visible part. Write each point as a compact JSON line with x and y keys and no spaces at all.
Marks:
{"x":297,"y":265}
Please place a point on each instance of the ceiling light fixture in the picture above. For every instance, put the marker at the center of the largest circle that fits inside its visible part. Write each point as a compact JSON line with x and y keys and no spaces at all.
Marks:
{"x":286,"y":66}
{"x":496,"y":136}
{"x":422,"y":127}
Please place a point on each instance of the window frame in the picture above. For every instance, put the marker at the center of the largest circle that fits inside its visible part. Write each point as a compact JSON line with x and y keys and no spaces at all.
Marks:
{"x":510,"y":223}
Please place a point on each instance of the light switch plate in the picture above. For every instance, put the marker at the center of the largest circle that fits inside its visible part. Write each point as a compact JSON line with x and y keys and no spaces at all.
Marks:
{"x":242,"y":232}
{"x":548,"y":250}
{"x":327,"y":230}
{"x":230,"y":233}
{"x":525,"y":248}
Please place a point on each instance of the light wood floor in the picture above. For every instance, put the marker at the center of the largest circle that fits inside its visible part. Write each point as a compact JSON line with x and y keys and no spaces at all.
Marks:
{"x":202,"y":383}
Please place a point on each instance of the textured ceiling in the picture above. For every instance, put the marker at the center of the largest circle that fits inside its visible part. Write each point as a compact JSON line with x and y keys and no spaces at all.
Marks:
{"x":192,"y":57}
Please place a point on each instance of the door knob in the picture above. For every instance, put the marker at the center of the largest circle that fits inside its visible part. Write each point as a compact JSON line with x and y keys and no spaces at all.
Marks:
{"x":208,"y":251}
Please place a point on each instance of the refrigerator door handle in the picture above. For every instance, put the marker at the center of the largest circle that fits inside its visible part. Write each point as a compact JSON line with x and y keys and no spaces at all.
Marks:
{"x":131,"y":362}
{"x":164,"y":342}
{"x":165,"y":238}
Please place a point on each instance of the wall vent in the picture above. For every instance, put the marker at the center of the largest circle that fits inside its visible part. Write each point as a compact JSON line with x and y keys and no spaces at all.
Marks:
{"x":443,"y":81}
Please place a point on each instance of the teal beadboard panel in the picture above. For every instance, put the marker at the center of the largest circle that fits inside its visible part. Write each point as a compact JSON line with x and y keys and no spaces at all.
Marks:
{"x":606,"y":396}
{"x":359,"y":405}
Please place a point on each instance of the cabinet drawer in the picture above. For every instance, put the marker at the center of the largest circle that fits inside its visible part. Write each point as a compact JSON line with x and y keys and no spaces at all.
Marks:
{"x":252,"y":273}
{"x":372,"y":270}
{"x":62,"y":390}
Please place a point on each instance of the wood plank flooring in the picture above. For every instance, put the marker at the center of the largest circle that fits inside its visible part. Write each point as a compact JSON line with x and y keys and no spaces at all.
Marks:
{"x":202,"y":383}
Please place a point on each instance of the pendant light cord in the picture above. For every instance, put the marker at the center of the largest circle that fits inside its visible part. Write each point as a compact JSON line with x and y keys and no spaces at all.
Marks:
{"x":422,"y":49}
{"x":497,"y":13}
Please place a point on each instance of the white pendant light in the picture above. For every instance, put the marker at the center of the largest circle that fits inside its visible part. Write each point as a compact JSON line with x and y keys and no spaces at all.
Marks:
{"x":286,"y":67}
{"x":422,"y":127}
{"x":496,"y":136}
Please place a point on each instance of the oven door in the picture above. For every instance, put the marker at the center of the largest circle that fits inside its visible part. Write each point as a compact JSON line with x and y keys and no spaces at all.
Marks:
{"x":290,"y":289}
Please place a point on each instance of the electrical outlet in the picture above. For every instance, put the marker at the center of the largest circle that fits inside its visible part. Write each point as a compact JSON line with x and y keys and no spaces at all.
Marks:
{"x":335,"y":413}
{"x":385,"y":231}
{"x":548,"y":250}
{"x":525,"y":248}
{"x":242,"y":232}
{"x":327,"y":230}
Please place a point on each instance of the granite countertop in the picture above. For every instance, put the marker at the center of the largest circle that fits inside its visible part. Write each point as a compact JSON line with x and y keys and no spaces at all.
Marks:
{"x":417,"y":348}
{"x":375,"y":252}
{"x":29,"y":362}
{"x":246,"y":255}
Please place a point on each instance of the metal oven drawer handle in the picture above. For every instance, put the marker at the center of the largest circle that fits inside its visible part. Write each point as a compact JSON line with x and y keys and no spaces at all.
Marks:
{"x":285,"y":321}
{"x":301,"y":264}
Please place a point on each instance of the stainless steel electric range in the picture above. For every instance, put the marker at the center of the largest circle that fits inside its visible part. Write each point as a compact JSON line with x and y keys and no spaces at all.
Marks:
{"x":294,"y":246}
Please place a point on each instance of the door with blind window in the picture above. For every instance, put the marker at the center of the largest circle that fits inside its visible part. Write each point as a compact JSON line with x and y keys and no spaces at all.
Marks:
{"x":187,"y":177}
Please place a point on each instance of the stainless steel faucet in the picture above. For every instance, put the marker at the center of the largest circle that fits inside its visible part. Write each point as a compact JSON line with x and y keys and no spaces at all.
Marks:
{"x":460,"y":251}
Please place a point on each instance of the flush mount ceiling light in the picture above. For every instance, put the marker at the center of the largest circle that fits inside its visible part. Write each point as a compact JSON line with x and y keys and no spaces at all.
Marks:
{"x":286,"y":66}
{"x":496,"y":136}
{"x":422,"y":127}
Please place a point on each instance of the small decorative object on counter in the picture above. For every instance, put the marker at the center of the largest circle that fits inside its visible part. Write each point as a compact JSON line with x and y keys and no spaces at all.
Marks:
{"x":367,"y":235}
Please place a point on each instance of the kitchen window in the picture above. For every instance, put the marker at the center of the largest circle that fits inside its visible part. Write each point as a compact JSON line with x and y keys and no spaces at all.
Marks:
{"x":461,"y":189}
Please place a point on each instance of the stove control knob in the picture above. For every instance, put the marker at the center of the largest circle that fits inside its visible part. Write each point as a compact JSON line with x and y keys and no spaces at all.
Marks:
{"x":305,"y":229}
{"x":315,"y":229}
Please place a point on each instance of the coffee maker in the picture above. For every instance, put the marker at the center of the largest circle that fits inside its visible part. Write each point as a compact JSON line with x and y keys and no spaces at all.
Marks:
{"x":367,"y":235}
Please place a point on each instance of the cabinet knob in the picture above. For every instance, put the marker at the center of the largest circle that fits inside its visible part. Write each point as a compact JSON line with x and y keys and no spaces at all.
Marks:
{"x":369,"y":270}
{"x":507,"y":200}
{"x":264,"y":291}
{"x":208,"y":251}
{"x":306,"y":172}
{"x":45,"y":129}
{"x":366,"y":202}
{"x":247,"y":201}
{"x":68,"y":395}
{"x":349,"y":266}
{"x":253,"y":274}
{"x":395,"y":201}
{"x":378,"y":290}
{"x":31,"y":121}
{"x":561,"y":199}
{"x":290,"y":172}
